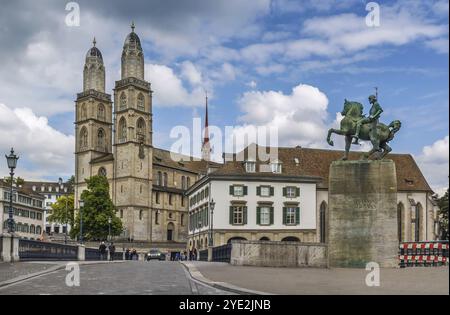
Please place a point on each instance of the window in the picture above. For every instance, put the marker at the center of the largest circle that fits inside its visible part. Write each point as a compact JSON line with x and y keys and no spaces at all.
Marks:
{"x":141,"y":214}
{"x":102,"y":172}
{"x":141,"y":129}
{"x":159,"y":179}
{"x":101,"y":139}
{"x":276,"y":167}
{"x":182,"y":201}
{"x":182,"y":219}
{"x":238,"y":215}
{"x":265,"y":191}
{"x":264,"y":215}
{"x":170,"y":199}
{"x":250,"y":166}
{"x":165,"y":180}
{"x":157,"y":197}
{"x":121,"y":213}
{"x":123,"y":101}
{"x":291,"y":192}
{"x":39,"y":217}
{"x":291,"y":215}
{"x":188,"y":182}
{"x":83,"y":138}
{"x":140,"y":102}
{"x":157,"y":217}
{"x":238,"y":190}
{"x":83,"y":111}
{"x":101,"y":112}
{"x":122,"y":130}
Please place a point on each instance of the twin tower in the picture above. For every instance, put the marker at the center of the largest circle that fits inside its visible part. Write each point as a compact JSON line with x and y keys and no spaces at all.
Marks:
{"x":115,"y":139}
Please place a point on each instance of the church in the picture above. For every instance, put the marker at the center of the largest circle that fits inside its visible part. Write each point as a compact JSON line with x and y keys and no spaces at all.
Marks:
{"x":114,"y":139}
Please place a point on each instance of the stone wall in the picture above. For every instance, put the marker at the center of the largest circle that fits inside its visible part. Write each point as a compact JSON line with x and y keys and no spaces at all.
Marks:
{"x":278,"y":254}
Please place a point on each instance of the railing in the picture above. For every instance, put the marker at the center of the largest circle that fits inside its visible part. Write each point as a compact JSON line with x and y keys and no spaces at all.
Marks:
{"x":423,"y":254}
{"x":35,"y":250}
{"x":203,"y":255}
{"x":92,"y":254}
{"x":222,"y":253}
{"x":118,"y":256}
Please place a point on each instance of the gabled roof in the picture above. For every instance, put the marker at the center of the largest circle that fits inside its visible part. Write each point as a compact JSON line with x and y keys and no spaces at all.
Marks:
{"x":181,"y":162}
{"x":316,"y":163}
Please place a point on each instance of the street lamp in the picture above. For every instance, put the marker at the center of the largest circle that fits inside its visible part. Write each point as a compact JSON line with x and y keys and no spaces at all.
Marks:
{"x":61,"y":186}
{"x":11,"y":159}
{"x":212,"y":204}
{"x":81,"y":203}
{"x":109,"y":228}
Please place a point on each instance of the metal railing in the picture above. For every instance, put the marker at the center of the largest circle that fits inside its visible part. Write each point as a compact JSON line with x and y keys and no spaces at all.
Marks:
{"x":36,"y":250}
{"x":423,"y":254}
{"x":203,"y":255}
{"x":92,"y":254}
{"x":222,"y":253}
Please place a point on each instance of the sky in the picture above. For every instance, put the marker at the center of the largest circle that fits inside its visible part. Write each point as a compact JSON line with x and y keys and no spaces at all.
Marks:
{"x":284,"y":64}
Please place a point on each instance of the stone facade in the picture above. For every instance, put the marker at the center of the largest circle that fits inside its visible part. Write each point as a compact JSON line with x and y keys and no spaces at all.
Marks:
{"x":363,"y":214}
{"x":114,"y":138}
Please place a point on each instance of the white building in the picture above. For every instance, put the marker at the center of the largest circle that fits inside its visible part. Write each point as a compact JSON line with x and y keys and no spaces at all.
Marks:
{"x":287,"y":199}
{"x":51,"y":191}
{"x":28,"y":210}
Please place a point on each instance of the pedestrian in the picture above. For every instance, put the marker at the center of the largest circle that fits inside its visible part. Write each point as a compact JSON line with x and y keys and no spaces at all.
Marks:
{"x":102,"y":250}
{"x":134,"y":255}
{"x":195,"y":253}
{"x":112,"y":251}
{"x":127,"y":254}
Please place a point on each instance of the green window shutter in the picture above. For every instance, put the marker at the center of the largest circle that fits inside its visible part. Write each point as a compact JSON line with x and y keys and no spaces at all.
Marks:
{"x":258,"y":191}
{"x":271,"y":215}
{"x":297,"y":215}
{"x":231,"y":215}
{"x":297,"y":192}
{"x":231,"y":190}
{"x":258,"y":215}
{"x":284,"y":215}
{"x":272,"y":191}
{"x":284,"y":191}
{"x":245,"y":215}
{"x":245,"y":190}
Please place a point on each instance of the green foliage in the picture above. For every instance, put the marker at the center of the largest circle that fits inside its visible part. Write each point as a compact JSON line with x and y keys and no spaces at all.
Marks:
{"x":19,"y":181}
{"x":63,"y":210}
{"x":71,"y":181}
{"x":443,"y":216}
{"x":98,"y":208}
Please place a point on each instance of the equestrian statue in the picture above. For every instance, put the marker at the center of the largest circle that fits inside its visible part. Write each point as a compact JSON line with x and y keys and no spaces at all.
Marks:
{"x":355,"y":126}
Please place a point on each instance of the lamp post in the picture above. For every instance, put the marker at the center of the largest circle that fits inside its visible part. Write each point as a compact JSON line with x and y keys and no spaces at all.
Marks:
{"x":212,"y":204}
{"x":61,"y":186}
{"x":109,"y":228}
{"x":12,"y":163}
{"x":81,"y":203}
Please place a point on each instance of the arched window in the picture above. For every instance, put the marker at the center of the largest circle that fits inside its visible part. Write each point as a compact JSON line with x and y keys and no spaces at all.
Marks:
{"x":32,"y":229}
{"x":38,"y":230}
{"x":140,"y":102}
{"x":141,"y":129}
{"x":323,"y":222}
{"x":101,"y":112}
{"x":400,"y":222}
{"x":122,"y":130}
{"x":237,"y":238}
{"x":264,"y":238}
{"x":418,"y":222}
{"x":123,"y":101}
{"x":291,"y":239}
{"x":83,"y":137}
{"x":101,"y":139}
{"x":183,"y":182}
{"x":102,"y":172}
{"x":83,"y":111}
{"x":188,"y":182}
{"x":141,"y":214}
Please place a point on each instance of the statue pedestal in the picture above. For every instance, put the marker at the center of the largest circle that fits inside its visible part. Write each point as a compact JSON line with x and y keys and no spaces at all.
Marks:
{"x":363,"y":214}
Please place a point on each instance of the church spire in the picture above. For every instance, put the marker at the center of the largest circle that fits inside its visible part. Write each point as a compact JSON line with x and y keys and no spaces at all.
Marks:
{"x":206,"y":147}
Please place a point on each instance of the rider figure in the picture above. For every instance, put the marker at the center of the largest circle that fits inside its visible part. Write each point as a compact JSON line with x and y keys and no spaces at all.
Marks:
{"x":375,"y":113}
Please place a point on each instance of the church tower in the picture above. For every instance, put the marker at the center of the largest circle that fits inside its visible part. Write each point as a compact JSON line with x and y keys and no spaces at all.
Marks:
{"x":133,"y":142}
{"x":93,"y":121}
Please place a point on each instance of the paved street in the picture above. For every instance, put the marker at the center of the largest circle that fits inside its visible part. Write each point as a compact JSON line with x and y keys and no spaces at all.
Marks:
{"x":127,"y":278}
{"x":328,"y":281}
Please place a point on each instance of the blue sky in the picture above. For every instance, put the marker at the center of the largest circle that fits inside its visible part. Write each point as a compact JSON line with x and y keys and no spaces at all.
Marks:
{"x":249,"y":55}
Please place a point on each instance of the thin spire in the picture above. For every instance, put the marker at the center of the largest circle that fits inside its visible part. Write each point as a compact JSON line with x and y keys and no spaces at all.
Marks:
{"x":94,"y":41}
{"x":132,"y":26}
{"x":206,"y":148}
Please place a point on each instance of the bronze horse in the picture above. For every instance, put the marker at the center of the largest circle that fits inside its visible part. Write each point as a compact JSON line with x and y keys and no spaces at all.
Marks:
{"x":353,"y":111}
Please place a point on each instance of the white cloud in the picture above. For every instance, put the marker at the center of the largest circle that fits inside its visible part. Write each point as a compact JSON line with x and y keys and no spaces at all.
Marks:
{"x":300,"y":117}
{"x":43,"y":151}
{"x":440,"y":45}
{"x":434,"y":162}
{"x":169,"y":88}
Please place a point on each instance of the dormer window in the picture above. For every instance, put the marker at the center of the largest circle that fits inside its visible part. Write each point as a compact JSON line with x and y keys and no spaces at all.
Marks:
{"x":276,"y":167}
{"x":250,"y":166}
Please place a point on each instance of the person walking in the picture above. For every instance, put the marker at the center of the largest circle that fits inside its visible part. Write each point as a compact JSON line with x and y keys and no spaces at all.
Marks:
{"x":102,"y":250}
{"x":127,"y":254}
{"x":112,"y":251}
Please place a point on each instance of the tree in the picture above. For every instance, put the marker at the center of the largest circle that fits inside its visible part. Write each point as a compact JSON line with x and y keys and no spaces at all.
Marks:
{"x":63,"y":210}
{"x":18,"y":181}
{"x":98,"y":208}
{"x":443,"y":216}
{"x":71,"y":181}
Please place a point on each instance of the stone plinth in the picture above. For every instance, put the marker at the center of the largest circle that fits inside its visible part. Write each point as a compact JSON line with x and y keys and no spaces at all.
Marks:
{"x":363,"y":214}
